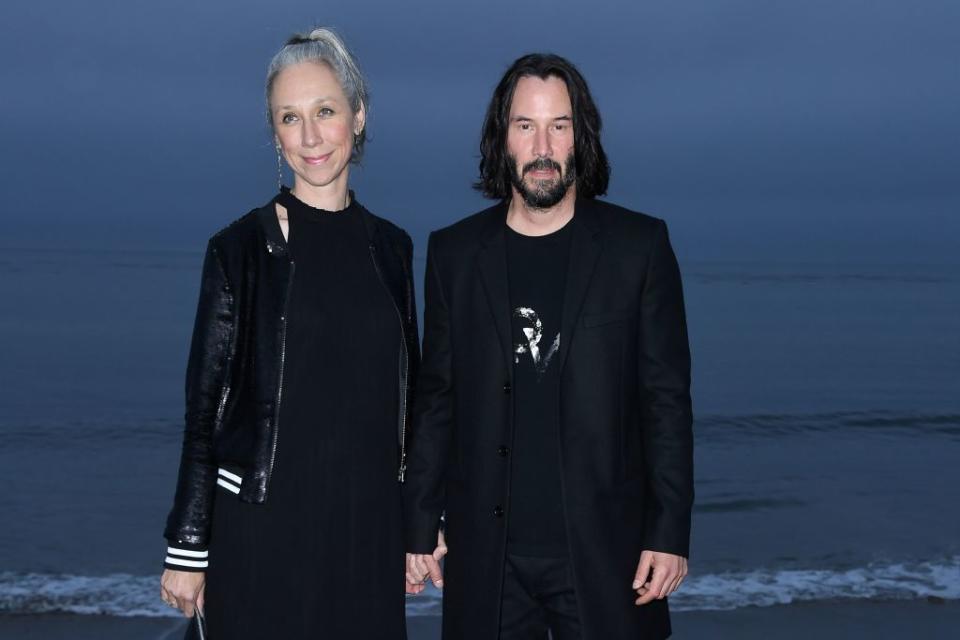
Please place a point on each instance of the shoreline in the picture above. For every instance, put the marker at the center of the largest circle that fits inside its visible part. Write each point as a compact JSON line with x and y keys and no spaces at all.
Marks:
{"x":840,"y":620}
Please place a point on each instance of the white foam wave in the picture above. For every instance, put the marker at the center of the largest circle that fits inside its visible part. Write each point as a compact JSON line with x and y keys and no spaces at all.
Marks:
{"x":117,"y":594}
{"x":126,"y":595}
{"x":114,"y":595}
{"x":764,"y":588}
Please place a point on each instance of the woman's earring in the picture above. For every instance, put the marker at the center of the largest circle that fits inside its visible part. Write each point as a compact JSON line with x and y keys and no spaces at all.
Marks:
{"x":279,"y":170}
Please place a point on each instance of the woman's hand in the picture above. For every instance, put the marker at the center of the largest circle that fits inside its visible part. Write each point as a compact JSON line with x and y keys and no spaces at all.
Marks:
{"x":183,"y":590}
{"x":420,"y":567}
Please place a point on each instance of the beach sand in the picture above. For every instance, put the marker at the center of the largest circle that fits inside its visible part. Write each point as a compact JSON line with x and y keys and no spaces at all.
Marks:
{"x":824,"y":621}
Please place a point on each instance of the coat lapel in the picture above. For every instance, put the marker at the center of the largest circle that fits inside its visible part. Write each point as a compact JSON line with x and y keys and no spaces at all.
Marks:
{"x":386,"y":260}
{"x":275,"y":243}
{"x":584,"y":250}
{"x":492,"y":265}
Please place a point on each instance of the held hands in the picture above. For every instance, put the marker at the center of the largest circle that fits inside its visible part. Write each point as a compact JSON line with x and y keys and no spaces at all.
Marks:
{"x":421,"y":566}
{"x":668,"y":571}
{"x":183,"y":590}
{"x":658,"y":574}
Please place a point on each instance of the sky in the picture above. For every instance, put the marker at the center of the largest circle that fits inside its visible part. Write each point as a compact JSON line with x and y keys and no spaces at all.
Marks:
{"x":760,"y":130}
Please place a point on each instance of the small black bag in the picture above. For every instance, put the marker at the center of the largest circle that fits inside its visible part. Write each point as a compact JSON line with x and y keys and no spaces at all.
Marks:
{"x":197,"y":629}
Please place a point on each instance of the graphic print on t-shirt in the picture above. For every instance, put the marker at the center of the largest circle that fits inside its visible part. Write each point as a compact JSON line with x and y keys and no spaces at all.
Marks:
{"x":537,"y":274}
{"x":533,"y":335}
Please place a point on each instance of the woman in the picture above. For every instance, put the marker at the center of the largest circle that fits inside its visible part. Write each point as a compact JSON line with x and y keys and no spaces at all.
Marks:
{"x":286,"y":521}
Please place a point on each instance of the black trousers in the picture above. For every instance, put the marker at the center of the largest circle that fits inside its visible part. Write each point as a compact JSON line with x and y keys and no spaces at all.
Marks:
{"x":538,"y":598}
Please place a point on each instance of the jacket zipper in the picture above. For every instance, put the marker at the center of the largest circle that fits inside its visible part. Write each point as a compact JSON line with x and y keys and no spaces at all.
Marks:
{"x":223,"y":403}
{"x":283,"y":359}
{"x":402,"y":471}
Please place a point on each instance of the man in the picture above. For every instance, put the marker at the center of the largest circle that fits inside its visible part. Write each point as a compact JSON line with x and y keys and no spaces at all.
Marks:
{"x":552,"y":426}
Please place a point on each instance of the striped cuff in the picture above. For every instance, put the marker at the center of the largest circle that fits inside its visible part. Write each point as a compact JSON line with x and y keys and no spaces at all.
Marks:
{"x":186,"y":557}
{"x":192,"y":557}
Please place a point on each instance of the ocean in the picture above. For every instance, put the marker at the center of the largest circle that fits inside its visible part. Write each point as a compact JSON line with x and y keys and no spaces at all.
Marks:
{"x":826,"y":396}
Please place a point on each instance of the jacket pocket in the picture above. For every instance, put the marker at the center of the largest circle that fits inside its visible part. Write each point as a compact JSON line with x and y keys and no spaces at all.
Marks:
{"x":606,"y":317}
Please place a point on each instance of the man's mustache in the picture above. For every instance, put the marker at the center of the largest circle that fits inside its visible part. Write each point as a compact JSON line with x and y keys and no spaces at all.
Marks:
{"x":541,"y":164}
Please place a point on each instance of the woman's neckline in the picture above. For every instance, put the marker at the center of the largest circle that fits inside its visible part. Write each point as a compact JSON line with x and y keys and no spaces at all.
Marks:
{"x":289,"y":200}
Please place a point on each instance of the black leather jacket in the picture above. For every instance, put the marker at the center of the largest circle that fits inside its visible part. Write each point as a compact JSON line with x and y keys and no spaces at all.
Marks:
{"x":234,"y":382}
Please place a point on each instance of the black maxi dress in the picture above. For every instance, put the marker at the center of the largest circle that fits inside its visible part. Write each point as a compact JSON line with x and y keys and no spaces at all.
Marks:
{"x":324,"y":556}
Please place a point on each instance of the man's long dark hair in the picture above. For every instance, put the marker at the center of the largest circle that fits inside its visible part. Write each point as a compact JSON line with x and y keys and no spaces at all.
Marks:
{"x":593,"y":170}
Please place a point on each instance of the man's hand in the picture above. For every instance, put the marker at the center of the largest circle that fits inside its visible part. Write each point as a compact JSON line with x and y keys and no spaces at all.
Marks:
{"x":421,"y":566}
{"x":668,"y":572}
{"x":183,"y":590}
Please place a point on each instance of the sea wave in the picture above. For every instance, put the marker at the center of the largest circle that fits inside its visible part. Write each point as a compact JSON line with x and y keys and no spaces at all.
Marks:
{"x":126,"y":595}
{"x":720,"y":427}
{"x":815,"y":274}
{"x":764,"y":587}
{"x":53,"y":261}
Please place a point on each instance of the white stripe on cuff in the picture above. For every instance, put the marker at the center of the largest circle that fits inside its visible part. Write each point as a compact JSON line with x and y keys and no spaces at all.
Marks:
{"x":198,"y":564}
{"x":229,"y":487}
{"x":186,"y":553}
{"x":230,"y":476}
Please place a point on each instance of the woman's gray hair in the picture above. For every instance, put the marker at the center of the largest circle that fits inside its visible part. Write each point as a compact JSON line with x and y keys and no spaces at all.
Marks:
{"x":324,"y":45}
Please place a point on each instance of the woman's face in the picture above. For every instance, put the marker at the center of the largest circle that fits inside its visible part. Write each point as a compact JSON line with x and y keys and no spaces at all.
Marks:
{"x":314,"y":124}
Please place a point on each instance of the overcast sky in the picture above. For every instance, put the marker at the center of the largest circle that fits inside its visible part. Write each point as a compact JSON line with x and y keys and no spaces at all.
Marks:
{"x":818,"y":130}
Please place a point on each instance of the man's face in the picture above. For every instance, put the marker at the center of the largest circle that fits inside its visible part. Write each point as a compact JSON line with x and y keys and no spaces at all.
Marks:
{"x":540,"y":146}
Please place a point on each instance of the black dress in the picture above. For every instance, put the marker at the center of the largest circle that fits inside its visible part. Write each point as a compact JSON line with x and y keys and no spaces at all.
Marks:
{"x":324,"y":556}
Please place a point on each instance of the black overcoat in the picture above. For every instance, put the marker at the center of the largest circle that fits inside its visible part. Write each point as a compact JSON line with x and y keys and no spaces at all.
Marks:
{"x":625,"y":442}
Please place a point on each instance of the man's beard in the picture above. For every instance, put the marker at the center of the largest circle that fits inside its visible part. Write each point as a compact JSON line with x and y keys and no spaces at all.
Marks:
{"x":545,"y":193}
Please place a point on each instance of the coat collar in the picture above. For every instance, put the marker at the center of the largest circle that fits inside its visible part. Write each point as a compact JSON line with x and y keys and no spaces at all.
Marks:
{"x":585,"y":246}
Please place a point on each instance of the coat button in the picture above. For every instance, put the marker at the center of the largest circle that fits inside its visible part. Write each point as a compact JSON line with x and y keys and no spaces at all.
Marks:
{"x":506,"y":387}
{"x":498,"y":511}
{"x":503,"y":451}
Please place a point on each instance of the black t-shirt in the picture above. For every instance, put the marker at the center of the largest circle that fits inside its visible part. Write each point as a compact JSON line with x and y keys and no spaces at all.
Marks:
{"x":537,"y":272}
